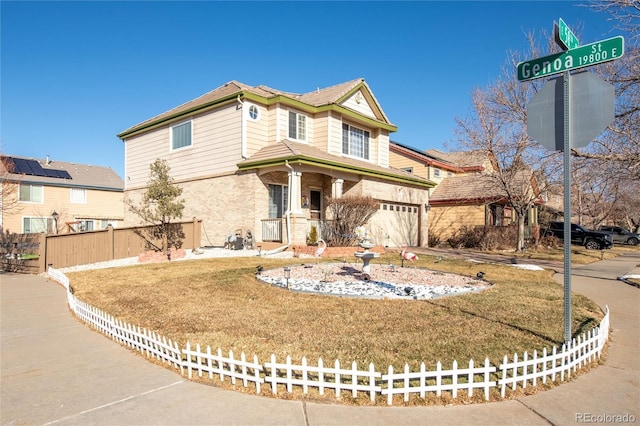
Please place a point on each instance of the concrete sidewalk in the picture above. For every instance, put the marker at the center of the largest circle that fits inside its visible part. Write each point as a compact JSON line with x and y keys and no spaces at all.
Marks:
{"x":55,"y":370}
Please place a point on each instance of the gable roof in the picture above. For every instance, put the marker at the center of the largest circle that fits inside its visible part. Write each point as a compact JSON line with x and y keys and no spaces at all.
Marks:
{"x":466,"y":189}
{"x":64,"y":173}
{"x":423,"y":157}
{"x":328,"y":98}
{"x":284,"y":152}
{"x":465,"y":160}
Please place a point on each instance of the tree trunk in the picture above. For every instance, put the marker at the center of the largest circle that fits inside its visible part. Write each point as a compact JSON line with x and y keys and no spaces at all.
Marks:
{"x":520,"y":240}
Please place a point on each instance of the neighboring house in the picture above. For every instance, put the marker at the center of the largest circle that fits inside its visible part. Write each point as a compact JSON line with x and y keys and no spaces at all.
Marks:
{"x":465,"y":194}
{"x":41,"y":195}
{"x":260,"y":159}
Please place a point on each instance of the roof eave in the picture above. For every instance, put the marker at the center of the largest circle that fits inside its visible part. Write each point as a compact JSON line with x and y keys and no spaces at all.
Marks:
{"x":141,"y":128}
{"x":334,"y":165}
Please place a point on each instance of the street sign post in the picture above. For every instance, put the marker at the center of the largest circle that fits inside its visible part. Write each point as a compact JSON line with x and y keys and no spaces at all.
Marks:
{"x":564,"y":36}
{"x":557,"y":130}
{"x":583,"y":56}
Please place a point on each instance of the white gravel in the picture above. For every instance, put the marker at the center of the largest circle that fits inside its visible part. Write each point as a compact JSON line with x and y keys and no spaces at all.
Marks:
{"x":385,"y":281}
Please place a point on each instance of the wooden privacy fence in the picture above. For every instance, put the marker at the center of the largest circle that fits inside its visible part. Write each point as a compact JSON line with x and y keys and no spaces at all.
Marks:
{"x":516,"y":373}
{"x":64,"y":250}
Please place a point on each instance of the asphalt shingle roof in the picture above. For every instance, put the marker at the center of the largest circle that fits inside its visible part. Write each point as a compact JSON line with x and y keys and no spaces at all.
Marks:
{"x":287,"y":150}
{"x":468,"y":187}
{"x":82,"y":175}
{"x":318,"y":97}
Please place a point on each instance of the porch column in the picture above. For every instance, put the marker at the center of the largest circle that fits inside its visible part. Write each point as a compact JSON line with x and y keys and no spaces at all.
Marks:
{"x":295,"y":192}
{"x":336,"y":188}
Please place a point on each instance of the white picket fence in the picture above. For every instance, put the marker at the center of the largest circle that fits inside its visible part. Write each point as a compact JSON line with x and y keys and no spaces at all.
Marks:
{"x":559,"y":364}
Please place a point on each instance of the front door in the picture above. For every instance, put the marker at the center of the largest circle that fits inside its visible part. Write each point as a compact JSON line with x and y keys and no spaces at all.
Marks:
{"x":315,"y":204}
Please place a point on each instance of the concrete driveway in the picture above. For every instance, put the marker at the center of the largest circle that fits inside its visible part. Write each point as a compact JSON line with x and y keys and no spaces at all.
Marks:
{"x":55,"y":370}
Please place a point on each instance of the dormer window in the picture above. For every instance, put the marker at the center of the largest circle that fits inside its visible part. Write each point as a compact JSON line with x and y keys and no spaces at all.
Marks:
{"x":297,"y":126}
{"x":355,"y":142}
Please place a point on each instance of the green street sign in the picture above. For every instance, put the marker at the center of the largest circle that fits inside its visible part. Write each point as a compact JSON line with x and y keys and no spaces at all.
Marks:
{"x":565,"y":37}
{"x":583,"y":56}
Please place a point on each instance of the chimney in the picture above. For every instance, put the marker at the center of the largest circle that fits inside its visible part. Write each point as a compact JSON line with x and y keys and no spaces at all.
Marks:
{"x":48,"y":161}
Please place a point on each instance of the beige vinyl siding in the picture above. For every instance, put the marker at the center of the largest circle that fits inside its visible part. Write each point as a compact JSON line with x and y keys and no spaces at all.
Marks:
{"x":444,"y":221}
{"x":140,"y":151}
{"x":257,"y":131}
{"x":321,"y":126}
{"x":271,"y":118}
{"x":382,"y":146}
{"x":402,"y":162}
{"x":334,"y":134}
{"x":362,"y":107}
{"x":215,"y":148}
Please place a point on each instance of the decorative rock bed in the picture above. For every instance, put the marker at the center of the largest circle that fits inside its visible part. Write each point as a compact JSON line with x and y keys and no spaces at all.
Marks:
{"x":386,"y":281}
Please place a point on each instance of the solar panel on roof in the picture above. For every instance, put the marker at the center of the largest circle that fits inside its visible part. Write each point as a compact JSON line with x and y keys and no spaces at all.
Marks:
{"x":36,"y":167}
{"x":27,"y":167}
{"x":33,"y":168}
{"x":64,"y":174}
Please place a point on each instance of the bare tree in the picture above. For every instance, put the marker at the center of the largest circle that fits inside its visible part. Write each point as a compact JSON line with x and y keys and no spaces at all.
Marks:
{"x":497,"y":126}
{"x":624,"y":14}
{"x":618,"y":149}
{"x":9,"y":187}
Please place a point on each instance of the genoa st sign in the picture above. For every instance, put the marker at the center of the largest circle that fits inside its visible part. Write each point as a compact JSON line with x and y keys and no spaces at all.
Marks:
{"x":583,"y":56}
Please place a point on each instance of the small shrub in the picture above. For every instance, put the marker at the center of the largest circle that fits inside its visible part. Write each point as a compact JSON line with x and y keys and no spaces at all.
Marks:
{"x":312,"y":239}
{"x":348,"y":213}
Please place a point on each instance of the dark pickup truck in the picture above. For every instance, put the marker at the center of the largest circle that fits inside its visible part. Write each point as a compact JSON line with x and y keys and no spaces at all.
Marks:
{"x":592,"y":240}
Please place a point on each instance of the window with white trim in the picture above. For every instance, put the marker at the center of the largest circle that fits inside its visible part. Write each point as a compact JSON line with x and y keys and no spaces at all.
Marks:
{"x":31,"y":193}
{"x":32,"y":224}
{"x":78,"y":195}
{"x":297,"y":126}
{"x":254,"y":113}
{"x":181,"y":135}
{"x":355,"y":142}
{"x":436,"y":172}
{"x":278,"y":196}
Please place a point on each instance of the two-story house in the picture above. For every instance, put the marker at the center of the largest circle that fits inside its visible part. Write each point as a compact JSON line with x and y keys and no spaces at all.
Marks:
{"x":44,"y":195}
{"x":260,"y":159}
{"x":465,"y":194}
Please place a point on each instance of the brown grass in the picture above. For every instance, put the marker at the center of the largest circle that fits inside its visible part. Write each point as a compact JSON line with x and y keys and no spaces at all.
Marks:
{"x":220,"y":303}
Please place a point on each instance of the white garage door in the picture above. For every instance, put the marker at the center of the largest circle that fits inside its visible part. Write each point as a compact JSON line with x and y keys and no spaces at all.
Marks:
{"x":395,"y":225}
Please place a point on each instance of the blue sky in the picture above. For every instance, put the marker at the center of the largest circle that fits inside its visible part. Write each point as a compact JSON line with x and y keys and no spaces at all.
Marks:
{"x":75,"y":74}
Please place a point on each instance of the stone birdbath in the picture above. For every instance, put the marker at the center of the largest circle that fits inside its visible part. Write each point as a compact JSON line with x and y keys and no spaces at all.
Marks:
{"x":366,"y":256}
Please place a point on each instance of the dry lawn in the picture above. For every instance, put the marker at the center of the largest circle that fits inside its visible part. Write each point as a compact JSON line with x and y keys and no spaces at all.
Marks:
{"x":219,"y":302}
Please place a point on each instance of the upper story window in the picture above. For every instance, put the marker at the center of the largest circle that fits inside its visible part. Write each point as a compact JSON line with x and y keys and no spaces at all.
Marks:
{"x":254,"y":113}
{"x":181,"y":135}
{"x":355,"y":142}
{"x":31,"y":193}
{"x":297,"y":126}
{"x":436,"y":172}
{"x":78,"y":195}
